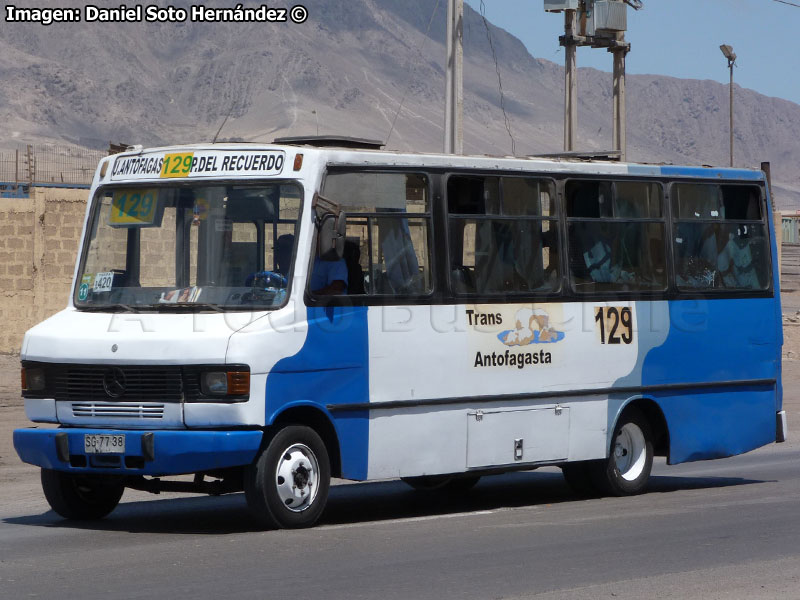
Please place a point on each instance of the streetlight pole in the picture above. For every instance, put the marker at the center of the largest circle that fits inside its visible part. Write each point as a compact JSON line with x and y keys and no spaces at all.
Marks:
{"x":728,"y":52}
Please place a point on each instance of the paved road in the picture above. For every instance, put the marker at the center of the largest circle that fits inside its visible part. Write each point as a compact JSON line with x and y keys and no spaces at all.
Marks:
{"x":722,"y":529}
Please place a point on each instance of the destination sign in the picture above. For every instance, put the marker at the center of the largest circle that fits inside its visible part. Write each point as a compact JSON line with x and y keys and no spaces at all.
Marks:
{"x":199,"y":164}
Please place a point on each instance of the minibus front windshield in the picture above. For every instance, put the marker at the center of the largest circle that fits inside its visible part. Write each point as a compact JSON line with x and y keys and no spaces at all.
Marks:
{"x":189,"y":247}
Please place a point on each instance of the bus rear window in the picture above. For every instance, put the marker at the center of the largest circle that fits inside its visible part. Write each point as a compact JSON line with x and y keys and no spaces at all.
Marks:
{"x":719,"y":238}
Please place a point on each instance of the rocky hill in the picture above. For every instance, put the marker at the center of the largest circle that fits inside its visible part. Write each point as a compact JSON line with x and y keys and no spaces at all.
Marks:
{"x":347,"y":69}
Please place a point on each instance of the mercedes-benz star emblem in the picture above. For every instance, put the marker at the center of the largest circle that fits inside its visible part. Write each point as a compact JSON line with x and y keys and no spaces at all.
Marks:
{"x":114,"y":382}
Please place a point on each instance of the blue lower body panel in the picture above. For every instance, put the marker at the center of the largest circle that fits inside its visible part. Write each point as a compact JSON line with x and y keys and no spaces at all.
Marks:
{"x":173,"y":452}
{"x":717,"y":423}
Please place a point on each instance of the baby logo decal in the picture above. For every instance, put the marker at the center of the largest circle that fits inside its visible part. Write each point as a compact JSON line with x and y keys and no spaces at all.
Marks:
{"x":532,"y":326}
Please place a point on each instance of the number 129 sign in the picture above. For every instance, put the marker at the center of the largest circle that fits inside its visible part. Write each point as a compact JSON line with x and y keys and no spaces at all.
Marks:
{"x":614,"y":324}
{"x":134,"y":208}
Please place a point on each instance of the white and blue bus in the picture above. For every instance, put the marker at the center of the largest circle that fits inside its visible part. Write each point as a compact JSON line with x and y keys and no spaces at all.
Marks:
{"x":269,"y":317}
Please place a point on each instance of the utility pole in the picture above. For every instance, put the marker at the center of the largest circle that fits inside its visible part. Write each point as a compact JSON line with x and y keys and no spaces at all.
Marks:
{"x":454,"y":80}
{"x":619,"y":135}
{"x":570,"y":79}
{"x":598,"y":24}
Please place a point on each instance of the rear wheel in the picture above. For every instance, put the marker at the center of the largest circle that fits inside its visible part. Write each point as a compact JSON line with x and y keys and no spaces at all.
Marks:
{"x":80,"y":497}
{"x":287,"y":485}
{"x":627,"y":469}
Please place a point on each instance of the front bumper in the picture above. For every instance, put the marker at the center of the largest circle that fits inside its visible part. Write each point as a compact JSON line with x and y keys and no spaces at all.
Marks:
{"x":154,"y":453}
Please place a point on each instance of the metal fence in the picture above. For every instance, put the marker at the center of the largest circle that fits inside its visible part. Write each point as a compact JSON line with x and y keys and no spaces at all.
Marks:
{"x":48,"y":164}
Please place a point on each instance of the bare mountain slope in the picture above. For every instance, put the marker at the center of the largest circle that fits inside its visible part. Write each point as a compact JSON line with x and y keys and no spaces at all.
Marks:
{"x":353,"y":62}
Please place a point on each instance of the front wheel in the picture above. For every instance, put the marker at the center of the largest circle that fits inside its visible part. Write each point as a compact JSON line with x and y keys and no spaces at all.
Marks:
{"x":80,"y":497}
{"x":287,"y":485}
{"x":627,"y":469}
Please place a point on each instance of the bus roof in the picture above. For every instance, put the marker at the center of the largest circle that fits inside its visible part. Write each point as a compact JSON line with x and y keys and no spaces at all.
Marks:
{"x":251,"y":159}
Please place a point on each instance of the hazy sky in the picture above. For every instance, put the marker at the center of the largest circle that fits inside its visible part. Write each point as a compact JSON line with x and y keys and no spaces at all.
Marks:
{"x":679,"y":38}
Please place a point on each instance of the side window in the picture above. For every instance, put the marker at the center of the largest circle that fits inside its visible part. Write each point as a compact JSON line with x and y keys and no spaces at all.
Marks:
{"x":720,"y":239}
{"x":616,"y":234}
{"x":503,"y":235}
{"x":386,"y":251}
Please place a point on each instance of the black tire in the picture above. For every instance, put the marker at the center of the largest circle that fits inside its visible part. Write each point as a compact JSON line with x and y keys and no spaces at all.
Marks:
{"x":81,"y":497}
{"x":276,"y":501}
{"x":578,"y":476}
{"x":442,"y":483}
{"x":626,"y":471}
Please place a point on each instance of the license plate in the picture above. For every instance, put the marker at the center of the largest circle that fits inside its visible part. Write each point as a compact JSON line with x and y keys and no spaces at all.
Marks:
{"x":97,"y":443}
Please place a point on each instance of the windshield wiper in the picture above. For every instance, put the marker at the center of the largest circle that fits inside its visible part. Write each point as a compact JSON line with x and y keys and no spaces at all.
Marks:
{"x":109,"y":307}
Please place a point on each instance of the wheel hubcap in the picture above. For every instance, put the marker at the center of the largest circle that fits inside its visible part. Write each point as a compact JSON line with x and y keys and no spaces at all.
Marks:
{"x":630,"y":452}
{"x":297,"y":477}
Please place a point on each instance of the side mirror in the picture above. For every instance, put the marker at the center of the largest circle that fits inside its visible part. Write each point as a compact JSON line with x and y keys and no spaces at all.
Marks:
{"x":331,"y":235}
{"x":331,"y":229}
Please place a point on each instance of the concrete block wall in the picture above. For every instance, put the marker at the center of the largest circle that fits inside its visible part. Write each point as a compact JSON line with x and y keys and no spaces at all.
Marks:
{"x":38,"y":247}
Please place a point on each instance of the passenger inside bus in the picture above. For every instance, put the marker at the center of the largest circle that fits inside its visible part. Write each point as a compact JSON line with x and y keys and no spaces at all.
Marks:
{"x":283,"y":254}
{"x":711,"y":249}
{"x":596,"y":251}
{"x":355,"y":274}
{"x":328,"y":277}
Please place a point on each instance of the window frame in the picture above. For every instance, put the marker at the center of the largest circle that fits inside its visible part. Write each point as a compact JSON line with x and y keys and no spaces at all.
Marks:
{"x":675,"y":220}
{"x":427,"y":217}
{"x":663,"y":220}
{"x":555,"y":217}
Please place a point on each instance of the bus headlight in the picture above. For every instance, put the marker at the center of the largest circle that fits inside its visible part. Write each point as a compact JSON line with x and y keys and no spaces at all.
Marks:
{"x":32,"y":380}
{"x":225,"y":383}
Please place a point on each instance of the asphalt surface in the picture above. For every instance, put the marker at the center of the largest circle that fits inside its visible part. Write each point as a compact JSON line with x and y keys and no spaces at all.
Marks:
{"x":721,"y":529}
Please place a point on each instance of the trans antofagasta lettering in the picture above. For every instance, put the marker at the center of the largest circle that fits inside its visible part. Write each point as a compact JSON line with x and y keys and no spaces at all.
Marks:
{"x":512,"y":359}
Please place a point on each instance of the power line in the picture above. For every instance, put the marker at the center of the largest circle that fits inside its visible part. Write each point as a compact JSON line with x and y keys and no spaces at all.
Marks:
{"x":499,"y":80}
{"x":419,"y":49}
{"x":788,"y":3}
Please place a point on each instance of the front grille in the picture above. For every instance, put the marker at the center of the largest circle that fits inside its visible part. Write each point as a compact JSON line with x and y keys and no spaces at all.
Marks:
{"x":91,"y":382}
{"x":101,"y":410}
{"x":112,"y":384}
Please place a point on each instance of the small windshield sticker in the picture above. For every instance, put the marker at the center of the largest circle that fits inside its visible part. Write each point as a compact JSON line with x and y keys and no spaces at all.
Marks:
{"x":103,"y":282}
{"x":200,"y":211}
{"x":83,"y":290}
{"x":189,"y":294}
